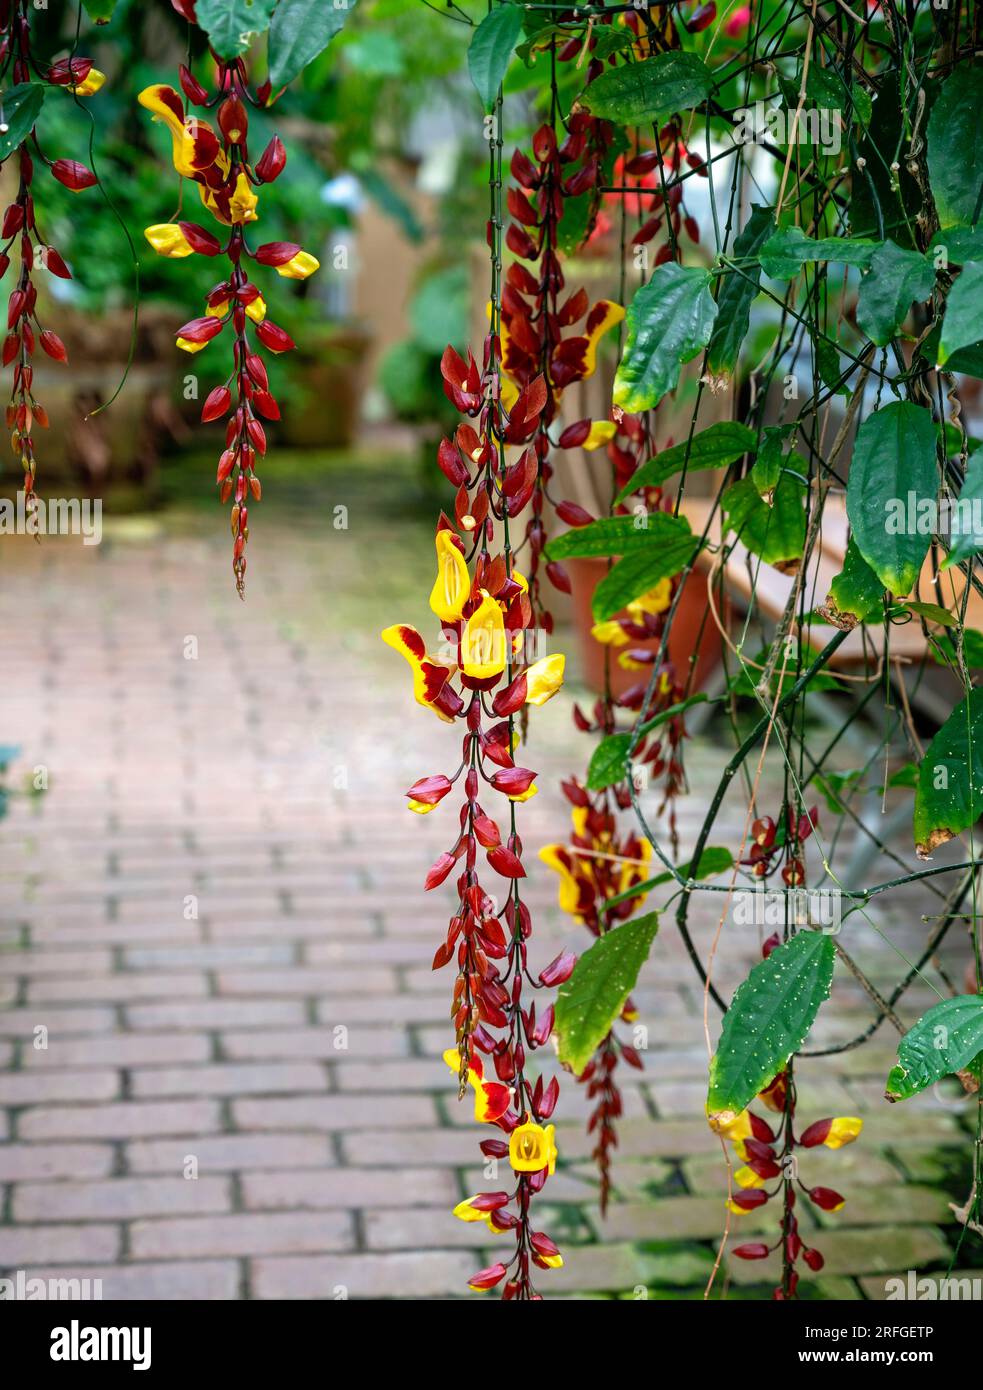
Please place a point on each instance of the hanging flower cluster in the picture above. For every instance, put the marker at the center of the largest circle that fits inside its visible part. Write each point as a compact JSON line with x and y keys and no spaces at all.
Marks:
{"x":218,"y":163}
{"x":781,"y":845}
{"x":767,"y":1157}
{"x":599,"y":864}
{"x":20,"y":223}
{"x":545,"y":333}
{"x":485,"y":614}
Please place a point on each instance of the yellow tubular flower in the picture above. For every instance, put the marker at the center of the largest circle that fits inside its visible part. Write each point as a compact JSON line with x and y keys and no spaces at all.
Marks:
{"x":91,"y":84}
{"x":532,"y":1148}
{"x":603,"y":316}
{"x":186,"y":345}
{"x":483,"y":641}
{"x":165,"y":104}
{"x":167,"y":239}
{"x":257,"y":310}
{"x":217,"y":311}
{"x":601,"y":432}
{"x":611,"y":633}
{"x":638,"y":866}
{"x":529,"y":792}
{"x":842,"y":1131}
{"x":242,"y":204}
{"x":569,"y":897}
{"x":655,"y":601}
{"x":552,"y":1261}
{"x":299,"y":266}
{"x":453,"y":584}
{"x":747,"y":1177}
{"x":543,"y":679}
{"x":428,"y":676}
{"x":464,"y":1211}
{"x":422,"y":808}
{"x":736,"y":1128}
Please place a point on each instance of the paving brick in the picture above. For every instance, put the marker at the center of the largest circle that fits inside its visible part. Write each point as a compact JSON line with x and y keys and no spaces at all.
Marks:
{"x":26,"y":1245}
{"x":25,"y":1161}
{"x":226,"y":1153}
{"x":229,"y":1079}
{"x":125,"y":1120}
{"x":251,"y":1234}
{"x":120,"y":1050}
{"x":307,"y":982}
{"x":171,"y":1281}
{"x":35,"y":1086}
{"x":350,"y":1188}
{"x":217,"y":1013}
{"x":349,"y":1113}
{"x":120,"y":1199}
{"x":866,"y":1251}
{"x":323,"y":1044}
{"x":23,"y":1023}
{"x":422,"y":1274}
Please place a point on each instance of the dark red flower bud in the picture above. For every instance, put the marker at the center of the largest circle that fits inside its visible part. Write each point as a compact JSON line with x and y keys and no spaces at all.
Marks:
{"x":753,"y":1250}
{"x":186,"y":9}
{"x":826,"y":1199}
{"x":430,"y":790}
{"x":201,"y":330}
{"x":750,"y":1198}
{"x":558,"y":577}
{"x":52,"y":260}
{"x":558,"y":970}
{"x":701,"y":17}
{"x":191,"y":87}
{"x":276,"y":252}
{"x":439,"y":871}
{"x":512,"y":698}
{"x":53,"y":345}
{"x":217,"y":403}
{"x":199,"y":240}
{"x":272,"y":336}
{"x":13,"y":220}
{"x":11,"y":347}
{"x":504,"y":862}
{"x":487,"y":1278}
{"x":573,"y":514}
{"x":813,"y":1259}
{"x":271,"y":162}
{"x":72,"y":174}
{"x":513,"y":781}
{"x":233,"y":121}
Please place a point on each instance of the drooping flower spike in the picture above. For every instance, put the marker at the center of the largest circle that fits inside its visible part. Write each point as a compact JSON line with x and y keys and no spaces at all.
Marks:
{"x":21,"y":77}
{"x":217,"y":162}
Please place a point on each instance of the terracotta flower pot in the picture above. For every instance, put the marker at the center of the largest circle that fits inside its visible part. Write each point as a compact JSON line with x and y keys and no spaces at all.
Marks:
{"x":585,"y":575}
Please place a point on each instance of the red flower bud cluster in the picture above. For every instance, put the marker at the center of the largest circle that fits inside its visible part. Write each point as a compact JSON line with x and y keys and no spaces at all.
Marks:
{"x":219,"y":163}
{"x":781,"y":844}
{"x":20,"y":233}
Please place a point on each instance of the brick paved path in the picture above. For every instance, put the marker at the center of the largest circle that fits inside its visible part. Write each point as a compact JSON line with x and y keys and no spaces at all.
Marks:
{"x":215,"y":913}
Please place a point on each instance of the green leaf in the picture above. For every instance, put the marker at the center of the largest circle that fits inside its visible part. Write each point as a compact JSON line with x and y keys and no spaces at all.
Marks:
{"x":932,"y":613}
{"x":99,"y":11}
{"x":715,"y":859}
{"x":784,"y":254}
{"x":738,"y":291}
{"x":668,"y":321}
{"x":768,"y":1019}
{"x":608,"y":762}
{"x":906,"y":776}
{"x":949,"y":798}
{"x":831,"y":784}
{"x":634,"y":93}
{"x":963,"y":323}
{"x":620,"y":535}
{"x":894,"y":455}
{"x":21,"y":107}
{"x":856,"y":593}
{"x":711,"y":448}
{"x":589,"y":1003}
{"x":955,"y":148}
{"x":299,"y":31}
{"x":944,"y":1040}
{"x":768,"y":465}
{"x":231,"y":25}
{"x":894,"y":279}
{"x":958,"y":245}
{"x":775,"y":532}
{"x":637,"y":574}
{"x":491,"y":50}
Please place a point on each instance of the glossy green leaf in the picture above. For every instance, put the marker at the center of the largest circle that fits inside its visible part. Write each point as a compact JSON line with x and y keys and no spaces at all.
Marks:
{"x":963,"y":323}
{"x":491,"y":50}
{"x":894,"y":456}
{"x":232,"y":25}
{"x":589,"y":1003}
{"x":300,"y":30}
{"x":949,"y":798}
{"x":856,"y":593}
{"x":955,"y":148}
{"x":638,"y":573}
{"x":669,"y":321}
{"x":784,"y":254}
{"x":608,"y":762}
{"x":956,"y":246}
{"x":619,"y":535}
{"x":768,"y":1019}
{"x":633,"y":93}
{"x":776,"y":531}
{"x":893,"y":280}
{"x":932,"y":613}
{"x":738,"y":291}
{"x":21,"y":107}
{"x":711,"y":448}
{"x":768,"y":465}
{"x":944,"y":1040}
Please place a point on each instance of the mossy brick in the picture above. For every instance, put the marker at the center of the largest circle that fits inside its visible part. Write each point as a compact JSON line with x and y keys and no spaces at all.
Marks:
{"x":867,"y":1250}
{"x":904,"y":1205}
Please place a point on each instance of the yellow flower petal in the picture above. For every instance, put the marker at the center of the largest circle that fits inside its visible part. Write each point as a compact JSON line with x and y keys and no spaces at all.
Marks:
{"x":604,"y":315}
{"x":167,"y":239}
{"x":452,"y":587}
{"x":601,"y":432}
{"x":186,"y":345}
{"x":299,"y":266}
{"x":483,"y":647}
{"x":544,"y":678}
